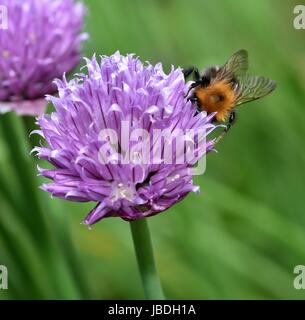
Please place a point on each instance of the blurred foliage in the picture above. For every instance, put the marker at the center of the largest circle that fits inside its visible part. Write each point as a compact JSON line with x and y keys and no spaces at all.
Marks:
{"x":242,"y":237}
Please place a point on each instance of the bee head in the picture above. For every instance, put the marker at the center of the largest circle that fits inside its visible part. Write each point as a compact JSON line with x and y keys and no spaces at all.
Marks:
{"x":208,"y":75}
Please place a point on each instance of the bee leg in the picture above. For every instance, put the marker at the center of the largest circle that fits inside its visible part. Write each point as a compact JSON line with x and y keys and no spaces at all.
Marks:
{"x":192,"y":86}
{"x":231,"y":121}
{"x":193,"y":100}
{"x":197,"y":75}
{"x":187,"y":72}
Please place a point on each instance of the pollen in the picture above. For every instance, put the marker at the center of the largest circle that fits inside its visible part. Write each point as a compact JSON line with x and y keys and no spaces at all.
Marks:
{"x":218,"y":97}
{"x":121,"y":191}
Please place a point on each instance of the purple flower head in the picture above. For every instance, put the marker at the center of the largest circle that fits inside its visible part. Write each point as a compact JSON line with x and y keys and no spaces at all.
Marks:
{"x":116,"y":111}
{"x":40,"y":41}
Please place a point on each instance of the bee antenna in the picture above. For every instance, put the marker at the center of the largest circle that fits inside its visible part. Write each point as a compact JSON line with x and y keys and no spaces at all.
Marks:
{"x":192,"y":86}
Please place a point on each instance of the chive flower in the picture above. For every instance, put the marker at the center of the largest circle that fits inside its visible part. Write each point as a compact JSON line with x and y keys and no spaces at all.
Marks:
{"x":42,"y":40}
{"x":119,"y":108}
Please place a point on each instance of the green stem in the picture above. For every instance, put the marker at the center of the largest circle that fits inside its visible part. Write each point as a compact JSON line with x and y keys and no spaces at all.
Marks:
{"x":19,"y":152}
{"x":145,"y":257}
{"x":30,"y":209}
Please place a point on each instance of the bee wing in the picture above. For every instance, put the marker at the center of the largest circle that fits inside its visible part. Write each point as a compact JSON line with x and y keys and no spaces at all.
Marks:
{"x":253,"y":87}
{"x":236,"y":66}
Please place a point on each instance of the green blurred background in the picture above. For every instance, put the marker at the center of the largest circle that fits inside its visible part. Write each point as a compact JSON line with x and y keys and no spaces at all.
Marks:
{"x":243,"y":236}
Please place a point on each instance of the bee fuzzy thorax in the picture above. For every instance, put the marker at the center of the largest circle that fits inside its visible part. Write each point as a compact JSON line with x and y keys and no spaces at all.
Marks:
{"x":218,"y":97}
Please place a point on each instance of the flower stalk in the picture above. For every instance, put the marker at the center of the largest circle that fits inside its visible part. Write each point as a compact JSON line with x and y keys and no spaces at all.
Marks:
{"x":13,"y":132}
{"x":145,"y":257}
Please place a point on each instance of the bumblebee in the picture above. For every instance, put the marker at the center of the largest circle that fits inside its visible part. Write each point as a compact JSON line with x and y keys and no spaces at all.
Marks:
{"x":221,"y":89}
